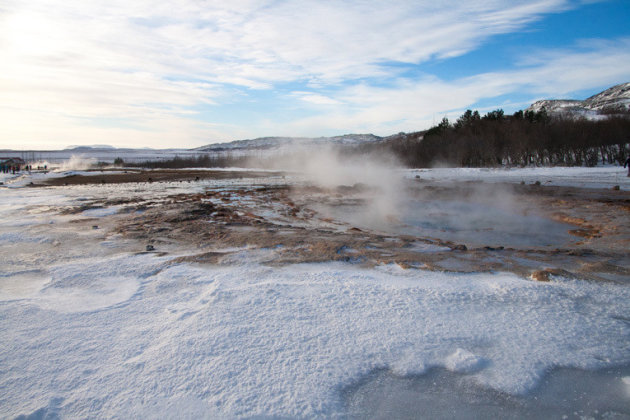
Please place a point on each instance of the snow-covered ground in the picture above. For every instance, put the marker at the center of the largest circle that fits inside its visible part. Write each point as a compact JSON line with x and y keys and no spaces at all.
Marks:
{"x":598,"y":177}
{"x":93,"y":327}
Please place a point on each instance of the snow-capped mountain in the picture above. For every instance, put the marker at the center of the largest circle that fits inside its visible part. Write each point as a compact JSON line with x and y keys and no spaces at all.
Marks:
{"x":614,"y":99}
{"x":265,"y":143}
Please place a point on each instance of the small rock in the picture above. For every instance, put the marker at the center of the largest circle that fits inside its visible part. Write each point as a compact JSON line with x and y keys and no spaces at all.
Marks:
{"x":404,"y":265}
{"x":492,"y":248}
{"x":616,"y":188}
{"x":150,"y":248}
{"x":545,"y":275}
{"x":540,"y":275}
{"x":537,"y":183}
{"x":95,"y":227}
{"x":460,"y":247}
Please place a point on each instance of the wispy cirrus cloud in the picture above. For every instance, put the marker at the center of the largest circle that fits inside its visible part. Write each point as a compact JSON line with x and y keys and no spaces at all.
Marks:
{"x":147,"y":68}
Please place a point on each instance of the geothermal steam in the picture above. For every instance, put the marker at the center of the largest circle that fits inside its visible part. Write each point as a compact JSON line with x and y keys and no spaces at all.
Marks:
{"x":377,"y":180}
{"x":77,"y":163}
{"x":371,"y":191}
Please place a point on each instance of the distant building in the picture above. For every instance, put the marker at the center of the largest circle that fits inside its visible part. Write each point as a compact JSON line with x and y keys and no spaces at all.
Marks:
{"x":11,"y":164}
{"x":15,"y":161}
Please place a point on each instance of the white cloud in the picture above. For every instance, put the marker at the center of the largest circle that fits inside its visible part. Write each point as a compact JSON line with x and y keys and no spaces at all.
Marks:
{"x":411,"y":105}
{"x":315,"y":98}
{"x":151,"y":63}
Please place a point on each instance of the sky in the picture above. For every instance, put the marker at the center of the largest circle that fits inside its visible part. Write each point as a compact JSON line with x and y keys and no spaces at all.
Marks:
{"x":187,"y":73}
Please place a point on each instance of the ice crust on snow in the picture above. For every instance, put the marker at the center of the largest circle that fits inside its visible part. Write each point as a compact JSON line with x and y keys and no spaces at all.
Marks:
{"x":463,"y":361}
{"x":253,"y":340}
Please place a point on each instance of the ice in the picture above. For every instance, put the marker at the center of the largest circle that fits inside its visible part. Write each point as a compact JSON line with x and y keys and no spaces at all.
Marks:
{"x":440,"y":394}
{"x":427,"y":247}
{"x":101,"y":212}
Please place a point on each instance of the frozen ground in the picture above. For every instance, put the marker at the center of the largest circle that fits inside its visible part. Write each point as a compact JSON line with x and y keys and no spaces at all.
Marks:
{"x":94,"y":325}
{"x":598,"y":177}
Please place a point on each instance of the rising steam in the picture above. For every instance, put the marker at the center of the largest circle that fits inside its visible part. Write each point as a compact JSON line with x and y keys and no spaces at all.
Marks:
{"x":77,"y":163}
{"x":377,"y":179}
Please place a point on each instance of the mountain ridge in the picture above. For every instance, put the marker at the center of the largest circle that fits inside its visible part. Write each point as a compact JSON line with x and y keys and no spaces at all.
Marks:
{"x":275,"y":142}
{"x":612,"y":100}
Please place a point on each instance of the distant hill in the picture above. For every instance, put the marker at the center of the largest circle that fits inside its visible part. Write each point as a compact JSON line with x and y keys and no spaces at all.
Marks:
{"x":270,"y":143}
{"x":612,"y":100}
{"x":90,"y":148}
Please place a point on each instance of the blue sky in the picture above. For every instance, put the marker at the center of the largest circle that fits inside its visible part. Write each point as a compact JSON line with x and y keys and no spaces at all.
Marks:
{"x":189,"y":73}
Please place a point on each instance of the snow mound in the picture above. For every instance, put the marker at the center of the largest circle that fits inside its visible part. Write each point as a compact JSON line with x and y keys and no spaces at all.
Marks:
{"x":463,"y":361}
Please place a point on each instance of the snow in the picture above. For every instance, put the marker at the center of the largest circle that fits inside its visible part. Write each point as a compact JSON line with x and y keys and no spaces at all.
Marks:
{"x":598,"y":177}
{"x":249,"y":340}
{"x":614,"y":98}
{"x":265,"y":143}
{"x":90,"y":329}
{"x":463,"y":361}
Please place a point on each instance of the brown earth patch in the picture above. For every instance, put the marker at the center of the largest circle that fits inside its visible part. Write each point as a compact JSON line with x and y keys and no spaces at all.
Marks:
{"x":150,"y":176}
{"x":281,"y":219}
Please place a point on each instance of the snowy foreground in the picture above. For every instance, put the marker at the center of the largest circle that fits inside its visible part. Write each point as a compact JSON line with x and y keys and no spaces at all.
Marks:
{"x":92,"y":327}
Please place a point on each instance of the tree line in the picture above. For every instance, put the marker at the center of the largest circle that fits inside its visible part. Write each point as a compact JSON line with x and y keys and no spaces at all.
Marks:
{"x":522,"y":139}
{"x":198,"y":161}
{"x":525,"y":138}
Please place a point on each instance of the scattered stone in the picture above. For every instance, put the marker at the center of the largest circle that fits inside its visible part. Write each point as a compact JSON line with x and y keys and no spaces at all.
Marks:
{"x":586,"y":233}
{"x":537,"y":183}
{"x":95,"y":227}
{"x":616,"y":188}
{"x":490,"y":248}
{"x":545,"y":275}
{"x":460,"y":247}
{"x":150,"y":248}
{"x":404,"y":265}
{"x":540,"y":275}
